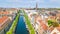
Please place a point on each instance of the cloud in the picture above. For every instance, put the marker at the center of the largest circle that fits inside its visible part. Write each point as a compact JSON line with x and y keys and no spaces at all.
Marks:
{"x":40,"y":1}
{"x":12,"y":1}
{"x":57,"y":1}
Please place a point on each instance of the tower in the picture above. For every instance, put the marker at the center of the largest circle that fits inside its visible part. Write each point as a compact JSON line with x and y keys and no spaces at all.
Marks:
{"x":36,"y":6}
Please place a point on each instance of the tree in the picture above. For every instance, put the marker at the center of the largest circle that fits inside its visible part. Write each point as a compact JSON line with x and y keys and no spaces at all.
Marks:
{"x":55,"y":24}
{"x":52,"y":23}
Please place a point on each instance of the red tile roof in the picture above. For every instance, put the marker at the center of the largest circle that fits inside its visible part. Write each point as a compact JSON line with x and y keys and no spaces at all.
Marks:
{"x":44,"y":26}
{"x":3,"y":19}
{"x":1,"y":12}
{"x":51,"y":29}
{"x":6,"y":12}
{"x":58,"y":28}
{"x":3,"y":22}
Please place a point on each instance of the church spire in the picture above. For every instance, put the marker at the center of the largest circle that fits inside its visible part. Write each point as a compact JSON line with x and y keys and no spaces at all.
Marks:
{"x":36,"y":6}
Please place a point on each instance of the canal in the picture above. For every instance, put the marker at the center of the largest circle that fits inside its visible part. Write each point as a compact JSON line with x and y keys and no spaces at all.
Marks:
{"x":21,"y":26}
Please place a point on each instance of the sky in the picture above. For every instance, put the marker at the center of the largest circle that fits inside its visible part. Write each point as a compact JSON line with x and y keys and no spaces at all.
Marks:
{"x":29,"y":3}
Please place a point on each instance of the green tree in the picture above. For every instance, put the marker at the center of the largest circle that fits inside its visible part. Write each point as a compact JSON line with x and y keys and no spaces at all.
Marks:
{"x":55,"y":24}
{"x":52,"y":23}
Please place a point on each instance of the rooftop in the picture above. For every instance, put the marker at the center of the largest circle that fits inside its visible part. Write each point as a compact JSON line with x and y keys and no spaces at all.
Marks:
{"x":6,"y":12}
{"x":3,"y":19}
{"x":43,"y":25}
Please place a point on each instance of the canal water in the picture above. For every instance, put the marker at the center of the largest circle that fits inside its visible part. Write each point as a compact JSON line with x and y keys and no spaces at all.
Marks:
{"x":21,"y":26}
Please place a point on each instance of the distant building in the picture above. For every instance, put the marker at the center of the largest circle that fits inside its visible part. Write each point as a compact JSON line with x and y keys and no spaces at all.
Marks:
{"x":36,"y":7}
